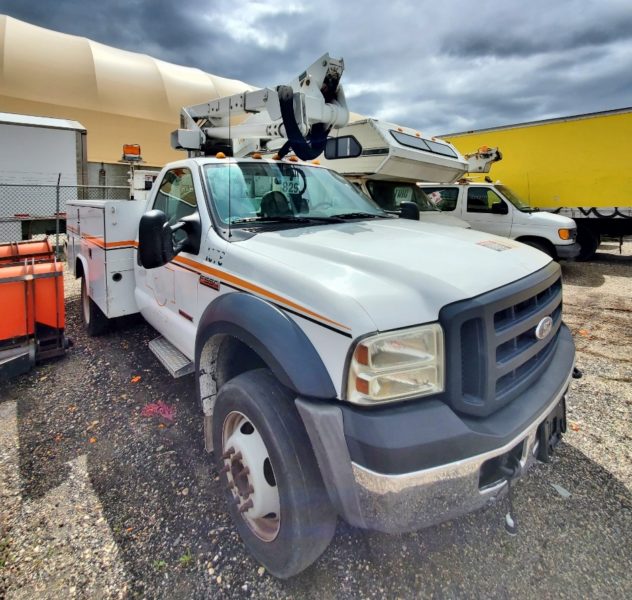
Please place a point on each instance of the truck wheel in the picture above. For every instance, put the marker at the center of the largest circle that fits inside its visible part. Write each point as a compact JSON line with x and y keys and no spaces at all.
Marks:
{"x":275,"y":494}
{"x":93,"y":318}
{"x":588,"y":241}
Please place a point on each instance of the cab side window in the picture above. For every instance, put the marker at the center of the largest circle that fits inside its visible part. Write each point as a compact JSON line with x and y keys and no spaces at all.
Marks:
{"x":443,"y":198}
{"x":481,"y":200}
{"x":176,"y":197}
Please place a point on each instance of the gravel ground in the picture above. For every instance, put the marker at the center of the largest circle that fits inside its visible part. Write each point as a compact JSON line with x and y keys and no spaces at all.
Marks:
{"x":97,"y":500}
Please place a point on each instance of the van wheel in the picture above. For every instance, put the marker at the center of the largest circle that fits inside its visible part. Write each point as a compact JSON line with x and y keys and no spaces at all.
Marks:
{"x":541,"y":246}
{"x":588,"y":241}
{"x":93,"y":318}
{"x":275,"y":494}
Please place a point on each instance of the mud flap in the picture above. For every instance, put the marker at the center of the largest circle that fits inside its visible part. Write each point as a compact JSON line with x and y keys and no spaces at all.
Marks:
{"x":551,"y":431}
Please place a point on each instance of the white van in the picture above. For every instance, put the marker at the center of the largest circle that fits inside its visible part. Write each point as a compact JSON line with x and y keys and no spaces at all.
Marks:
{"x":494,"y":208}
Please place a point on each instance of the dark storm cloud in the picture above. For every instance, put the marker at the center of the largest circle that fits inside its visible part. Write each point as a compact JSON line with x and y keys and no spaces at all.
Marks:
{"x":534,"y":38}
{"x":438,"y":67}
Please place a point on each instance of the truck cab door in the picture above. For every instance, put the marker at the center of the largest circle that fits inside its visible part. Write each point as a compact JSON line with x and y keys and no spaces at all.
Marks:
{"x":486,"y":211}
{"x":167,"y":295}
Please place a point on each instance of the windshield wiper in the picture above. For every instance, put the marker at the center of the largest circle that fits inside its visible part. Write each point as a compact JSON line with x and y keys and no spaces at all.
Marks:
{"x":341,"y":218}
{"x":360,"y":215}
{"x":287,"y":219}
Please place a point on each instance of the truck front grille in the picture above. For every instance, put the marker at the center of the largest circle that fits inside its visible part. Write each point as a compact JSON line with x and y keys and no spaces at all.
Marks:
{"x":492,"y":352}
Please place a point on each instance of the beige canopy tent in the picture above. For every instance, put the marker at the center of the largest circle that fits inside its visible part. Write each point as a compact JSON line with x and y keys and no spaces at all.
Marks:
{"x":119,"y":96}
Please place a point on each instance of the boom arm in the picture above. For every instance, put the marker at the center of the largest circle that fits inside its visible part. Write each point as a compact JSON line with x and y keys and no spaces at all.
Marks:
{"x":481,"y":161}
{"x":302,"y":112}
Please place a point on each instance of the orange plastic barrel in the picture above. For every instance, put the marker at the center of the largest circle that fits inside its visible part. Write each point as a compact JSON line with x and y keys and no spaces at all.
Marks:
{"x":15,"y":251}
{"x":31,"y":293}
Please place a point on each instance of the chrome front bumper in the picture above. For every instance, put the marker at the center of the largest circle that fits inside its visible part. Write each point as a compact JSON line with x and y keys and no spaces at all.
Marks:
{"x":397,"y":503}
{"x":411,"y":501}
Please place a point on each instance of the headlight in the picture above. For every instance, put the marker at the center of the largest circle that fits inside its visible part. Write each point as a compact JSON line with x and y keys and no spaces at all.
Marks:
{"x":393,"y":366}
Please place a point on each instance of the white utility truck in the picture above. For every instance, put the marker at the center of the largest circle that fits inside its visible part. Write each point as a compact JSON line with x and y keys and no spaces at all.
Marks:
{"x":390,"y":163}
{"x":347,"y":362}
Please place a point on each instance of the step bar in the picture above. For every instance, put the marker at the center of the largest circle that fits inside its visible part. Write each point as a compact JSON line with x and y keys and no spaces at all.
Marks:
{"x":172,"y":359}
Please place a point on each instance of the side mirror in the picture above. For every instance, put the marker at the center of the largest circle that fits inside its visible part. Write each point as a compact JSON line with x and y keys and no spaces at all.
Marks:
{"x":409,"y":210}
{"x":155,"y":241}
{"x":193,"y":227}
{"x":500,"y":208}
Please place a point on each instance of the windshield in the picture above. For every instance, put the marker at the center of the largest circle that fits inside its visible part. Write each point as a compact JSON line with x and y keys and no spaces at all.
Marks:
{"x":390,"y":194}
{"x":284,"y":192}
{"x":521,"y":205}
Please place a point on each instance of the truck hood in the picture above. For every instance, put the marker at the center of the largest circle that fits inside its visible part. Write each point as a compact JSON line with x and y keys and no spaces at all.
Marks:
{"x":547,"y":219}
{"x":441,"y":218}
{"x":383,"y":274}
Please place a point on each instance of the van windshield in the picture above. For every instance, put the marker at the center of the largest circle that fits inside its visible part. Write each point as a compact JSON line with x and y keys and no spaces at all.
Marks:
{"x":273,"y":192}
{"x":520,"y":204}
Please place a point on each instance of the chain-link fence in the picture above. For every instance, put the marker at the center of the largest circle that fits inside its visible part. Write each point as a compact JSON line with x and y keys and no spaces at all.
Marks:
{"x":28,"y":210}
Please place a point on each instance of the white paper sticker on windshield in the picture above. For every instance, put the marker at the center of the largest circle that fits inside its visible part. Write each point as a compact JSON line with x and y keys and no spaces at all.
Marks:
{"x":494,"y":245}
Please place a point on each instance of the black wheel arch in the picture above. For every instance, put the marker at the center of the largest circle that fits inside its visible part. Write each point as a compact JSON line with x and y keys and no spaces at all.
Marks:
{"x":541,"y":242}
{"x":80,"y":269}
{"x":271,"y":335}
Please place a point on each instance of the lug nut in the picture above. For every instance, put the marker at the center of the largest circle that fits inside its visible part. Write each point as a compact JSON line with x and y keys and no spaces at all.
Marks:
{"x":224,"y":469}
{"x":237,"y":456}
{"x":246,"y":506}
{"x":245,"y":471}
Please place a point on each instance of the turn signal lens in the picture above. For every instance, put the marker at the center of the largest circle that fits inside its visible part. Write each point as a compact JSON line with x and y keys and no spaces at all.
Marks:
{"x":361,"y":355}
{"x":565,"y":234}
{"x":362,"y":386}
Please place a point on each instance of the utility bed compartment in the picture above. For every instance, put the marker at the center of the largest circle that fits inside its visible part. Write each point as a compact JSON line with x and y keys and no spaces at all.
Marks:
{"x":102,"y":234}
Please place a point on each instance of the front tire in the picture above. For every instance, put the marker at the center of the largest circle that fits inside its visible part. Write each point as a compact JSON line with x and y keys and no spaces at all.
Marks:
{"x":588,"y":241}
{"x":275,"y":494}
{"x":541,"y":246}
{"x":95,"y":322}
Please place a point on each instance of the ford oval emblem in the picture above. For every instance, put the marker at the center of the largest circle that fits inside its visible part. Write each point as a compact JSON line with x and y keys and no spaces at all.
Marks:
{"x":543,"y":328}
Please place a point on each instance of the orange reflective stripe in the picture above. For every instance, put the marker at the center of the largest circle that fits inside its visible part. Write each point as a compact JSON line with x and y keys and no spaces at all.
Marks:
{"x":107,"y":245}
{"x":222,"y":275}
{"x":253,"y":288}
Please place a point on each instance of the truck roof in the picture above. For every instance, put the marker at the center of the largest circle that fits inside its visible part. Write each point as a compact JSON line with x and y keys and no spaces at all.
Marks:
{"x":603,"y":113}
{"x":214,"y":160}
{"x":33,"y":121}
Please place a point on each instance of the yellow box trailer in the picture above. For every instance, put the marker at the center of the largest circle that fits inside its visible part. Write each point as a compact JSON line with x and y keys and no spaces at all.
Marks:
{"x":579,"y":166}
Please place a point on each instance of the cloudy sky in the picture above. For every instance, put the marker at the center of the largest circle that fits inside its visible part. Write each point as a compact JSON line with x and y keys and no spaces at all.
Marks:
{"x":438,"y":66}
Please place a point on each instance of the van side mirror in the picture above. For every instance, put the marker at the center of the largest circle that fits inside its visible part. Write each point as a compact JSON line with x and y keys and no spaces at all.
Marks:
{"x":155,"y":241}
{"x":500,"y":208}
{"x":409,"y":210}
